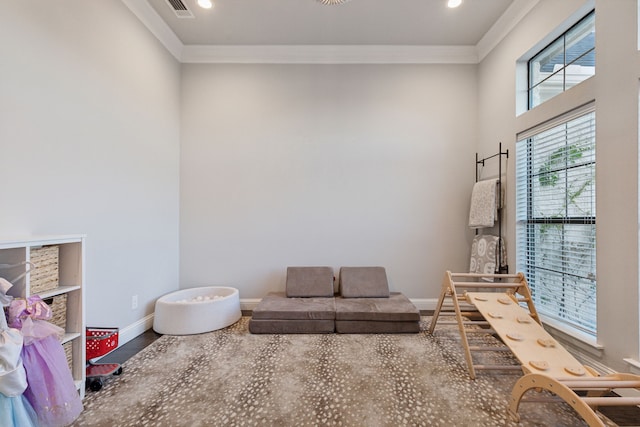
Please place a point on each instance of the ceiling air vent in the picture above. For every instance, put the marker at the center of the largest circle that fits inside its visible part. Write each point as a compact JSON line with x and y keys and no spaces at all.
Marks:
{"x":181,"y":9}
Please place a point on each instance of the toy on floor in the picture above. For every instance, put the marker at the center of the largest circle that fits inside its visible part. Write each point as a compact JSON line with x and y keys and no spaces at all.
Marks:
{"x":197,"y":310}
{"x":100,"y":341}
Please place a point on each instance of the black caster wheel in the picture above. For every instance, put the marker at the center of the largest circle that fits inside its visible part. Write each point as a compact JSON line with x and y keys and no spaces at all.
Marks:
{"x":118,"y":371}
{"x":95,"y":385}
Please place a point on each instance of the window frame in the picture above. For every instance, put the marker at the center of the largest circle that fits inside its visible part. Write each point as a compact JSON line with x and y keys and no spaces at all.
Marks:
{"x":563,"y":37}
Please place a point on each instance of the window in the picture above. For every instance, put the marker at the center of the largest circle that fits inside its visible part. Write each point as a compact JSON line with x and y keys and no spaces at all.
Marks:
{"x":565,"y":62}
{"x":556,"y":217}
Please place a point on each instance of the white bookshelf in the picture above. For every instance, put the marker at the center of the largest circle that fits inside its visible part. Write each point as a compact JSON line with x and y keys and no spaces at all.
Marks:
{"x":71,"y":261}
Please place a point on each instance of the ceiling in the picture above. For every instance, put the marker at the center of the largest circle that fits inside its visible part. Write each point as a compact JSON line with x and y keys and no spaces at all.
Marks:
{"x":357,"y":22}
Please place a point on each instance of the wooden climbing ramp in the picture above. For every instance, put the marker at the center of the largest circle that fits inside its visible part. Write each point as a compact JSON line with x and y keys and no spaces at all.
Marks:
{"x":502,"y":305}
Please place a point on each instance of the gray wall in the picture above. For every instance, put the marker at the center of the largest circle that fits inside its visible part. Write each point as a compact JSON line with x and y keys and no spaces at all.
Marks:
{"x":615,"y":90}
{"x":89,"y":143}
{"x":338,"y":165}
{"x":286,"y":164}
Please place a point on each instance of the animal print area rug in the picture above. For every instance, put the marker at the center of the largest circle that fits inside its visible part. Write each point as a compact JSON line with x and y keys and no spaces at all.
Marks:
{"x":233,"y":378}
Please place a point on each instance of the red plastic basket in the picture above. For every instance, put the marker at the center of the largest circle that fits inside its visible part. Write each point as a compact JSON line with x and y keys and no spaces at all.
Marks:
{"x":101,"y":341}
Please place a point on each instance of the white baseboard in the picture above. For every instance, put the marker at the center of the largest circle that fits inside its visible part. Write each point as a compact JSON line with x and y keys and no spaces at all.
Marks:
{"x":131,"y":331}
{"x":425,"y":304}
{"x":249,"y":303}
{"x":634,"y":366}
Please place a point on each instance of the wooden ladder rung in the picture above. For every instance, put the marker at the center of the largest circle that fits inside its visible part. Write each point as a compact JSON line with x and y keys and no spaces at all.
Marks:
{"x":469,"y":313}
{"x":462,"y":313}
{"x":466,"y":307}
{"x":595,"y":383}
{"x":478,"y":348}
{"x":476,"y":322}
{"x":483,"y":331}
{"x":498,"y":367}
{"x":611,"y":401}
{"x":478,"y":275}
{"x":464,"y":323}
{"x":464,"y":303}
{"x":461,"y":301}
{"x":480,"y":321}
{"x":487,"y":285}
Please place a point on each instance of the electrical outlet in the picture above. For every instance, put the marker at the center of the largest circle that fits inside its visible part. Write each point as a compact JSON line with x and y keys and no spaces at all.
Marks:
{"x":134,"y":302}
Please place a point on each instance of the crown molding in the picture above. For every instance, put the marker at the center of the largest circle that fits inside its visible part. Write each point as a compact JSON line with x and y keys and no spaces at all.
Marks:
{"x":329,"y":54}
{"x":150,"y":19}
{"x":503,"y":26}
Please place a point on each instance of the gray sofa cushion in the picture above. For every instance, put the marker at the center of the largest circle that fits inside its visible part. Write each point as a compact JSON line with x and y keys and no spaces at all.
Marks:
{"x":309,"y":282}
{"x":257,"y":326}
{"x":277,"y":306}
{"x":363,"y":282}
{"x":368,"y":327}
{"x":396,"y":308}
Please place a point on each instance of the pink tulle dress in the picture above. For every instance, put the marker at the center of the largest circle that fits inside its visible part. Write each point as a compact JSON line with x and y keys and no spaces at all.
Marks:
{"x":51,"y":390}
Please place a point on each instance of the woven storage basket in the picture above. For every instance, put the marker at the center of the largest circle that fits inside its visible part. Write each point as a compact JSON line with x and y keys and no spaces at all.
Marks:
{"x":58,"y":306}
{"x":68,"y":351}
{"x":44,"y":272}
{"x":59,"y":310}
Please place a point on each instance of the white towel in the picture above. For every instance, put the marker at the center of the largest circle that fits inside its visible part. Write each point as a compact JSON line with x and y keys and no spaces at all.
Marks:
{"x":484,"y":204}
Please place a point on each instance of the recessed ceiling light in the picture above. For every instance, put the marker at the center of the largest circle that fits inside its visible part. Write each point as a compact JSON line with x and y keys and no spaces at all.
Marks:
{"x":205,"y":4}
{"x":454,"y":3}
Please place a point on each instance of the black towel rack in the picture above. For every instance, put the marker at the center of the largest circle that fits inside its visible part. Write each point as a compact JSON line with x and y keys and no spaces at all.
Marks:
{"x":480,"y":162}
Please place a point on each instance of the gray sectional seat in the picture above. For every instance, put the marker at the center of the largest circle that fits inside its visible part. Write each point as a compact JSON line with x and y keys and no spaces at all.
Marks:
{"x":367,"y":307}
{"x":278,"y":314}
{"x":306,"y":307}
{"x":308,"y":304}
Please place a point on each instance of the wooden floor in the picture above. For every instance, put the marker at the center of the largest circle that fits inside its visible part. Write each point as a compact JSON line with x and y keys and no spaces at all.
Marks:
{"x":623,"y":416}
{"x":126,"y":351}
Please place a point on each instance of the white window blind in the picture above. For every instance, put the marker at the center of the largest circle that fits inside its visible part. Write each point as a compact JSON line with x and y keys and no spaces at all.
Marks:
{"x":556,"y":217}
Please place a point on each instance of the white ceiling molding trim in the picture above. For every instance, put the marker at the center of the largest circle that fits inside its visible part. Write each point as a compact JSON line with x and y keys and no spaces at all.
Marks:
{"x":335,"y":54}
{"x":507,"y":22}
{"x":330,"y":54}
{"x":150,"y":18}
{"x":331,"y":2}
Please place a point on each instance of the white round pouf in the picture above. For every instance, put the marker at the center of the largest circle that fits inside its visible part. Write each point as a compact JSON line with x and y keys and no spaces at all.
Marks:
{"x":196,"y":310}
